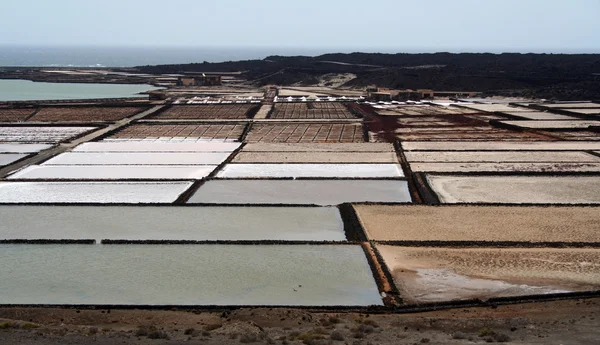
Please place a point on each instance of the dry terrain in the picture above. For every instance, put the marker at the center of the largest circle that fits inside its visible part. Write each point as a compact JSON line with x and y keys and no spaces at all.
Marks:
{"x":473,"y":223}
{"x":559,"y":322}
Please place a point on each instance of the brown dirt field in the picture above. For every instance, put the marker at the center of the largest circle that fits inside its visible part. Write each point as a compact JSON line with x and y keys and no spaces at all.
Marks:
{"x":316,"y":157}
{"x":205,"y":131}
{"x":441,"y":127}
{"x":14,"y":115}
{"x":558,"y":167}
{"x":478,"y":223}
{"x":316,"y":110}
{"x":304,"y":132}
{"x":318,"y":147}
{"x":493,"y":136}
{"x":578,"y":135}
{"x":442,"y":274}
{"x":516,"y":189}
{"x":203,"y":112}
{"x":560,"y":322}
{"x":83,"y":114}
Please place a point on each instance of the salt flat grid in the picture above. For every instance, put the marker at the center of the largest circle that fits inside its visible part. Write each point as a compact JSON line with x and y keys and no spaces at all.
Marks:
{"x":445,"y":152}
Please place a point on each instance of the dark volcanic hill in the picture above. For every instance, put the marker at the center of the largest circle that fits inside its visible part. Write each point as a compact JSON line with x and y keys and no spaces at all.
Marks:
{"x":559,"y":76}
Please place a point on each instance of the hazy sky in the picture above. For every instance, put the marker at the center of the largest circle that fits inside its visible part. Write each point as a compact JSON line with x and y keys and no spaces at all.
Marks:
{"x":390,"y":25}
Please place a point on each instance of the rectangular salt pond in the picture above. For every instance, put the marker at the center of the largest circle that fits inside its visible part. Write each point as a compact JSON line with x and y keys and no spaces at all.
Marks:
{"x":91,"y":192}
{"x":22,"y":147}
{"x":538,"y":115}
{"x":315,"y":157}
{"x":445,"y":274}
{"x":174,"y":223}
{"x":324,"y":275}
{"x":499,"y":156}
{"x":585,"y":111}
{"x":571,"y":105}
{"x":139,"y":158}
{"x":552,"y":124}
{"x":505,"y":167}
{"x":480,"y":223}
{"x":310,"y":170}
{"x":141,"y":146}
{"x":500,"y":145}
{"x":516,"y":189}
{"x":114,"y":172}
{"x":318,"y":147}
{"x":318,"y":192}
{"x":40,"y":134}
{"x":8,"y":158}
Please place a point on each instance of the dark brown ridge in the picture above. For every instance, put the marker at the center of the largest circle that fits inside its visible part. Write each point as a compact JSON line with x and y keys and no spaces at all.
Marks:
{"x":352,"y":226}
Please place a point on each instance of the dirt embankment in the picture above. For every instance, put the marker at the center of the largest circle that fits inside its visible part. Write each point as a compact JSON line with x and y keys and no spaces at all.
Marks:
{"x":562,"y":322}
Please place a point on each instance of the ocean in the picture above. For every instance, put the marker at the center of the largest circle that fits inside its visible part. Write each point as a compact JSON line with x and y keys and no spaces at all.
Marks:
{"x":55,"y":56}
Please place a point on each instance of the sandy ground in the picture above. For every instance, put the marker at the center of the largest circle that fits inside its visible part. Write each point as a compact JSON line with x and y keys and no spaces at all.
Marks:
{"x":499,"y":145}
{"x":572,"y":105}
{"x":474,"y":223}
{"x":501,"y":156}
{"x":319,"y":147}
{"x":442,"y":274}
{"x":505,"y":167}
{"x":585,"y":111}
{"x":561,"y":322}
{"x":538,"y":115}
{"x":316,"y":157}
{"x":553,"y":124}
{"x":263,"y":111}
{"x":516,"y":189}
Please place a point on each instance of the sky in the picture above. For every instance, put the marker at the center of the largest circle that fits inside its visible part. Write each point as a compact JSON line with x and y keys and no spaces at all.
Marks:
{"x":384,"y":25}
